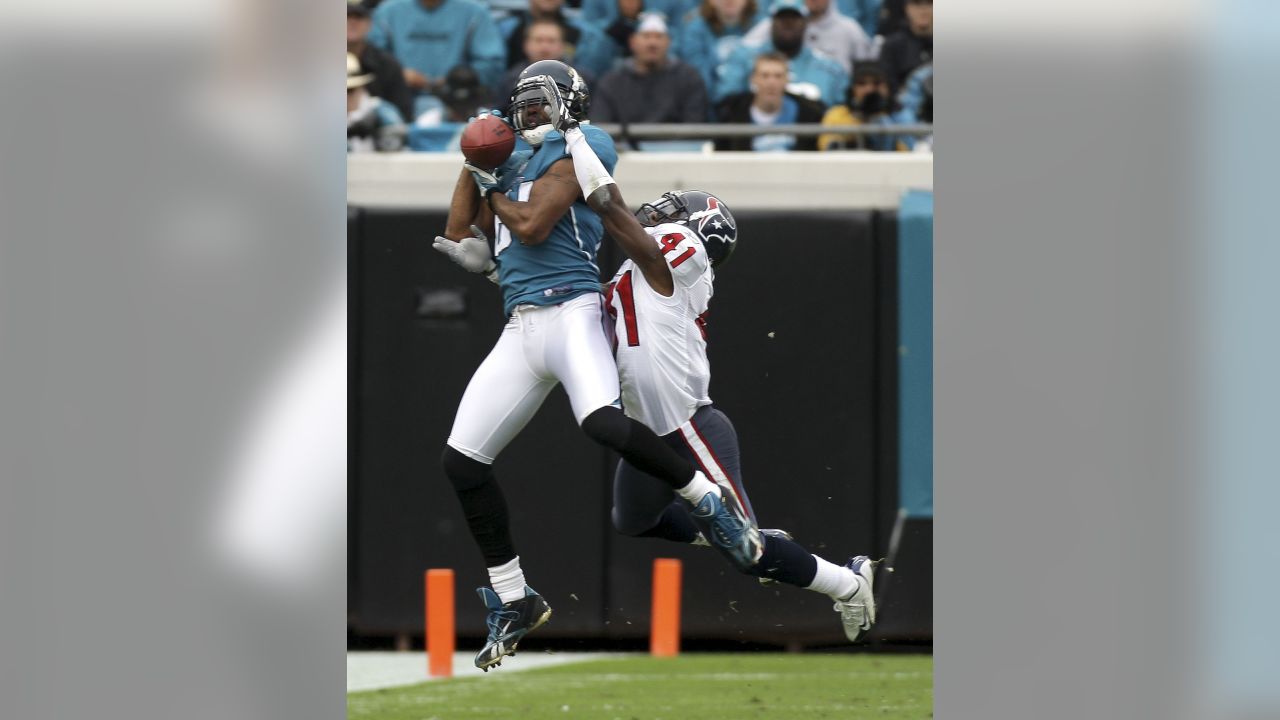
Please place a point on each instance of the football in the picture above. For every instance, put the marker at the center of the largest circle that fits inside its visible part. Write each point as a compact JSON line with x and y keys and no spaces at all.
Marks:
{"x":487,"y":142}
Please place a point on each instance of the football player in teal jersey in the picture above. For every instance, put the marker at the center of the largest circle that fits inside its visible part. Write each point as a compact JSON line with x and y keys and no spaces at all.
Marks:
{"x":543,"y":257}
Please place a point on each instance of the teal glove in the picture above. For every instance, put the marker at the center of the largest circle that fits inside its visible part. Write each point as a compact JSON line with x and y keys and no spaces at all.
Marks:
{"x":494,"y":112}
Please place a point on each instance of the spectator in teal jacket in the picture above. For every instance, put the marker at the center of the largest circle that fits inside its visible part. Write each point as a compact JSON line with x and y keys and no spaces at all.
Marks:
{"x":915,"y":101}
{"x":811,"y":75}
{"x":429,"y":37}
{"x":866,"y":13}
{"x":602,"y":13}
{"x":710,"y":35}
{"x":586,"y":47}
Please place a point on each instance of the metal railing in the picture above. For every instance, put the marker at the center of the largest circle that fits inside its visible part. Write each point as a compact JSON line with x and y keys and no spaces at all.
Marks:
{"x":700,"y":131}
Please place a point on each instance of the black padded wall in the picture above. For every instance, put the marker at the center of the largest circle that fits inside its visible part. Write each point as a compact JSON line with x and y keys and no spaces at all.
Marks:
{"x":799,"y":329}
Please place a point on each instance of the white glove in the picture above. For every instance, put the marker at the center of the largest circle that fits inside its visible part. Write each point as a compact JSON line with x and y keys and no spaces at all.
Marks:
{"x":472,"y":253}
{"x":556,"y":110}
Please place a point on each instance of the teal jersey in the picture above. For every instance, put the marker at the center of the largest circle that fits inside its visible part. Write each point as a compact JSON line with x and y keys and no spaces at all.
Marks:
{"x":564,"y":265}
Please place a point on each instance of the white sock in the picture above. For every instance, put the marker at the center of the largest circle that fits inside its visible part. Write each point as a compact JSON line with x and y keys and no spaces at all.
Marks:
{"x":507,"y":580}
{"x":837,"y":581}
{"x":697,"y":488}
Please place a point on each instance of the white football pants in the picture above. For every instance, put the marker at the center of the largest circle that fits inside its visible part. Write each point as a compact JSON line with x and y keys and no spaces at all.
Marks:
{"x":540,"y":347}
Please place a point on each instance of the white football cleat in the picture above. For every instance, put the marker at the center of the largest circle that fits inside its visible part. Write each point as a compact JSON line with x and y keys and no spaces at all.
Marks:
{"x":858,"y":611}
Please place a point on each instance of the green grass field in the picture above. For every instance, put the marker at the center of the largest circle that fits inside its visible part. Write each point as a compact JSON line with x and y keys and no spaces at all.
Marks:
{"x":690,"y":687}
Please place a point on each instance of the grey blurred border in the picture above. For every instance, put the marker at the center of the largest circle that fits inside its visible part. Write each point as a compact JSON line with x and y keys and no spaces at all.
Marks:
{"x":1064,"y":338}
{"x":172,"y":260}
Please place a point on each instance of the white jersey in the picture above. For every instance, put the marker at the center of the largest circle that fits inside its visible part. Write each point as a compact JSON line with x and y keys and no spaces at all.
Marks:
{"x":661,"y":346}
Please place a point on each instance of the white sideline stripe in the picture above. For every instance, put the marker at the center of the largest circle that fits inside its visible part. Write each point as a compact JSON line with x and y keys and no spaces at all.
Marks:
{"x":379,"y":670}
{"x":578,"y":236}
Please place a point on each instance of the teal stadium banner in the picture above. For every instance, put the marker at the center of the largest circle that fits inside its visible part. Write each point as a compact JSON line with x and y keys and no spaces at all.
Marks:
{"x":915,"y":353}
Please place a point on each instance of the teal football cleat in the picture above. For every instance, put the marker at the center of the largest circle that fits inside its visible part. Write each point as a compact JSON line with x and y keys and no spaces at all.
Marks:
{"x":727,"y":526}
{"x":509,"y":623}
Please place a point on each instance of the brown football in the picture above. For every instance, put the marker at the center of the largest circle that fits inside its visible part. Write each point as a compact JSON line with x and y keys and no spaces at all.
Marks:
{"x":487,"y":142}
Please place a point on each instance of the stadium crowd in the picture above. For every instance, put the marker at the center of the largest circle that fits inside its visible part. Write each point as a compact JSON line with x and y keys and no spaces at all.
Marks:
{"x":418,"y":69}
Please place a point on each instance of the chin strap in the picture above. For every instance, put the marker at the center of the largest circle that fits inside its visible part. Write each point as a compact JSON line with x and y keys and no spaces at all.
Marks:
{"x":536,"y":135}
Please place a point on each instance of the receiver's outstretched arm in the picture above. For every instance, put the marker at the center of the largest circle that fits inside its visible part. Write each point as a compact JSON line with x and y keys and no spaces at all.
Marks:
{"x":602,"y":194}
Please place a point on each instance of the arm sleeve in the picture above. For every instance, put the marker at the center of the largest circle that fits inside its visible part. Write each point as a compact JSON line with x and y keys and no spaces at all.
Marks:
{"x":587,"y":166}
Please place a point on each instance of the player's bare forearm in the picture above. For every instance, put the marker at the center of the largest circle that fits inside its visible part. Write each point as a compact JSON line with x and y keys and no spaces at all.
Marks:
{"x":631,"y":237}
{"x":464,"y":208}
{"x":549,"y":199}
{"x":484,"y":219}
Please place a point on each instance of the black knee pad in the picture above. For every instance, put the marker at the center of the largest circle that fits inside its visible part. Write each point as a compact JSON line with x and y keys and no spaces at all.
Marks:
{"x":608,"y":426}
{"x":464,"y":472}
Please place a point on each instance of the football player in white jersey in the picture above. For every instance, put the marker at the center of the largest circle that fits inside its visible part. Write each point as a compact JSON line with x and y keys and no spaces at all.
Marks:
{"x":658,"y":299}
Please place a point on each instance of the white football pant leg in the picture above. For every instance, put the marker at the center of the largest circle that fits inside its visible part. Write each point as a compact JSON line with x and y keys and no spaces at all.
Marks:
{"x":503,"y":395}
{"x":579,"y":355}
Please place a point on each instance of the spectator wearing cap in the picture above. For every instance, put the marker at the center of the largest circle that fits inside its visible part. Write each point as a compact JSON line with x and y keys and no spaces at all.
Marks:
{"x":868,"y":103}
{"x":626,"y":20}
{"x":585,"y":46}
{"x":810,"y":74}
{"x":372,"y":123}
{"x":650,"y":86}
{"x":543,"y":40}
{"x":603,"y":13}
{"x":910,"y":47}
{"x":768,"y":103}
{"x":388,"y":77}
{"x":429,"y":37}
{"x":827,"y":32}
{"x":709,"y":36}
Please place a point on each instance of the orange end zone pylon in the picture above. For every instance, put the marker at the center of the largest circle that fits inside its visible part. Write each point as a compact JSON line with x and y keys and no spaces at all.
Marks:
{"x":664,"y":632}
{"x":438,"y":615}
